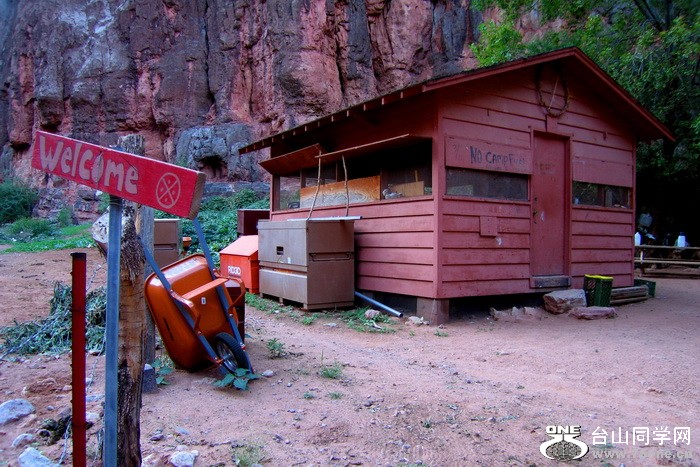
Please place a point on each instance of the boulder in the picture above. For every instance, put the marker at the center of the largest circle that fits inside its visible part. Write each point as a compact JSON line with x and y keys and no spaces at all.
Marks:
{"x":23,"y":440}
{"x":183,"y":458}
{"x":561,"y":301}
{"x":516,"y":314}
{"x":14,"y":410}
{"x":593,"y":312}
{"x":32,"y":457}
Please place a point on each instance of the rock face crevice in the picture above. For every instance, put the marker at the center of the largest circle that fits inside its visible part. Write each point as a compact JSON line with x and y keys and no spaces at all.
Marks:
{"x":213,"y":73}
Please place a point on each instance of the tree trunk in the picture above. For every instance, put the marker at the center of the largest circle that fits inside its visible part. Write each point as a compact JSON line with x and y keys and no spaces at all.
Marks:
{"x":132,"y":329}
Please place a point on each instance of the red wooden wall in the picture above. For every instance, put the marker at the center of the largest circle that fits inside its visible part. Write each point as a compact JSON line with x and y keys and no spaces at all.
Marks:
{"x":394,"y":244}
{"x":506,"y":111}
{"x":432,"y":246}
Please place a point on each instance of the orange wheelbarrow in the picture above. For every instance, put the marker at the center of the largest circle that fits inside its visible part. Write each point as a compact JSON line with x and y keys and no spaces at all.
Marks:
{"x":199,"y":314}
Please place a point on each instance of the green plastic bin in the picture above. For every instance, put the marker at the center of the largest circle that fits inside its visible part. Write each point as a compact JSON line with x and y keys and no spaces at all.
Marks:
{"x":597,"y":289}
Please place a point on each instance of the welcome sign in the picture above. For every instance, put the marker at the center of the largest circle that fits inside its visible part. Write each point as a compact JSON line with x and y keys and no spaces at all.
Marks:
{"x":167,"y":187}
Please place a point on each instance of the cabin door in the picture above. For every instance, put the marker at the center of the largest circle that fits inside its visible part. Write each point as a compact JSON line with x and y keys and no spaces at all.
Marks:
{"x":550,"y":202}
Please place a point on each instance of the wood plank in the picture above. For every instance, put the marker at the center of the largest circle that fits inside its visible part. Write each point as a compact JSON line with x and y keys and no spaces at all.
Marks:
{"x":396,"y":239}
{"x":599,"y":138}
{"x":492,"y":119}
{"x":474,"y":240}
{"x":603,"y":269}
{"x":395,"y":208}
{"x":602,"y":215}
{"x":587,"y":151}
{"x":396,"y":255}
{"x":611,"y":230}
{"x":396,"y":285}
{"x":396,"y":224}
{"x":454,"y":223}
{"x":600,"y":256}
{"x":450,"y":256}
{"x":603,"y":172}
{"x":475,"y":130}
{"x":482,"y":288}
{"x":379,"y":209}
{"x":601,"y":242}
{"x":420,"y":272}
{"x":475,"y":154}
{"x":470,"y":207}
{"x":484,"y":272}
{"x":629,"y":292}
{"x":510,"y":225}
{"x":503,"y":104}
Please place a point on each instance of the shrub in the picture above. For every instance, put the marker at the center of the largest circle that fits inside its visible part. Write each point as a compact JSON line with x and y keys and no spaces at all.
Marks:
{"x":17,"y":201}
{"x":31,"y":227}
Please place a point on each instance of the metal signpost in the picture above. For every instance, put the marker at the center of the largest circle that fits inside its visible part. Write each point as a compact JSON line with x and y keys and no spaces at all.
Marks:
{"x":167,"y":187}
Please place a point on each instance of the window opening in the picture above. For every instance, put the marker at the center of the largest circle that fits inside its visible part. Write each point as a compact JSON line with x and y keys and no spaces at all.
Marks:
{"x":384,"y":174}
{"x":486,"y":184}
{"x":595,"y":194}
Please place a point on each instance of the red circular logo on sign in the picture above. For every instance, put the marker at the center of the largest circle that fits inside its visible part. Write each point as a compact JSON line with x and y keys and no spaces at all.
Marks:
{"x":168,"y":190}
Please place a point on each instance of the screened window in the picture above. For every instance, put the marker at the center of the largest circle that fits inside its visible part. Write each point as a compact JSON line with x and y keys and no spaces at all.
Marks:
{"x":486,"y":184}
{"x":390,"y":173}
{"x":594,"y":194}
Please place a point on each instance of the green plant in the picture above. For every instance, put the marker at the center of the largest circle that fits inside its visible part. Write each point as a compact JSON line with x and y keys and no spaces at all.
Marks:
{"x":333,"y":371}
{"x":163,"y":366}
{"x":53,"y":334}
{"x":428,"y":423}
{"x":335,"y":395}
{"x":308,"y":319}
{"x":309,"y":395}
{"x":29,"y":227}
{"x":440,"y":333}
{"x":64,"y":218}
{"x":17,"y":201}
{"x":276,"y":348}
{"x":239,"y":379}
{"x":248,"y":455}
{"x":72,"y":236}
{"x":357,"y":319}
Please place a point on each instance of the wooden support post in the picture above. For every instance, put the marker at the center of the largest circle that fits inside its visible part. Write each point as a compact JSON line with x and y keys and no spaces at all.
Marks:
{"x":434,"y":311}
{"x":132,"y":327}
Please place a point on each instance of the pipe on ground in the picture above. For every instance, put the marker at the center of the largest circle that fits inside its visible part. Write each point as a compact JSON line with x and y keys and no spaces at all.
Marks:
{"x":379,"y":305}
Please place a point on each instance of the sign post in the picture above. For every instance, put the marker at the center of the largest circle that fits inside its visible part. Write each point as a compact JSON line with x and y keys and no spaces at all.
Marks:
{"x":109,"y":455}
{"x":167,"y":187}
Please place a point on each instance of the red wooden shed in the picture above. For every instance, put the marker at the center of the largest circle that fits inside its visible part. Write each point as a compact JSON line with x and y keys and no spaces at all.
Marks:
{"x":510,"y":179}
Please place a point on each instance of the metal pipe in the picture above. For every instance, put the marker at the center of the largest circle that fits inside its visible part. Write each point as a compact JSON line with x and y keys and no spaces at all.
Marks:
{"x":379,"y":305}
{"x":109,"y":453}
{"x":78,"y":273}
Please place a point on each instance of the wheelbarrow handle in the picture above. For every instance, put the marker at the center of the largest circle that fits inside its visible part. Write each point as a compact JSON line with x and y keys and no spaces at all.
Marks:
{"x":189,"y":305}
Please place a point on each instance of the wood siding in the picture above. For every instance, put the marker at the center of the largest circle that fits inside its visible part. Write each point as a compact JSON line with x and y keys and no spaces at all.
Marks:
{"x":444,"y":246}
{"x":394,"y":244}
{"x":602,"y":242}
{"x":472,"y":264}
{"x":506,"y":112}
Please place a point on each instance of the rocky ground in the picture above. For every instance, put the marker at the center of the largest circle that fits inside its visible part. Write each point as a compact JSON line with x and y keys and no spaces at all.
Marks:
{"x":473,"y":392}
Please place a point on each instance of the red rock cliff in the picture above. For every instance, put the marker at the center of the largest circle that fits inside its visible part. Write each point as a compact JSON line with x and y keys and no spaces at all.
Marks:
{"x":201,"y":78}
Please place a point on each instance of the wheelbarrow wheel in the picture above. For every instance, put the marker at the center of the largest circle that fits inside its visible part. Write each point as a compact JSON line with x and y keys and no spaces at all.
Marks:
{"x":230,"y":352}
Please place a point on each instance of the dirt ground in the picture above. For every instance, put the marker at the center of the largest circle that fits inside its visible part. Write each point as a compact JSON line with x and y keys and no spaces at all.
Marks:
{"x":473,"y":392}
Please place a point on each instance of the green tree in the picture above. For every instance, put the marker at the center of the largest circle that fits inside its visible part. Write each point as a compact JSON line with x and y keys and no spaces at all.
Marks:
{"x":650,"y":47}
